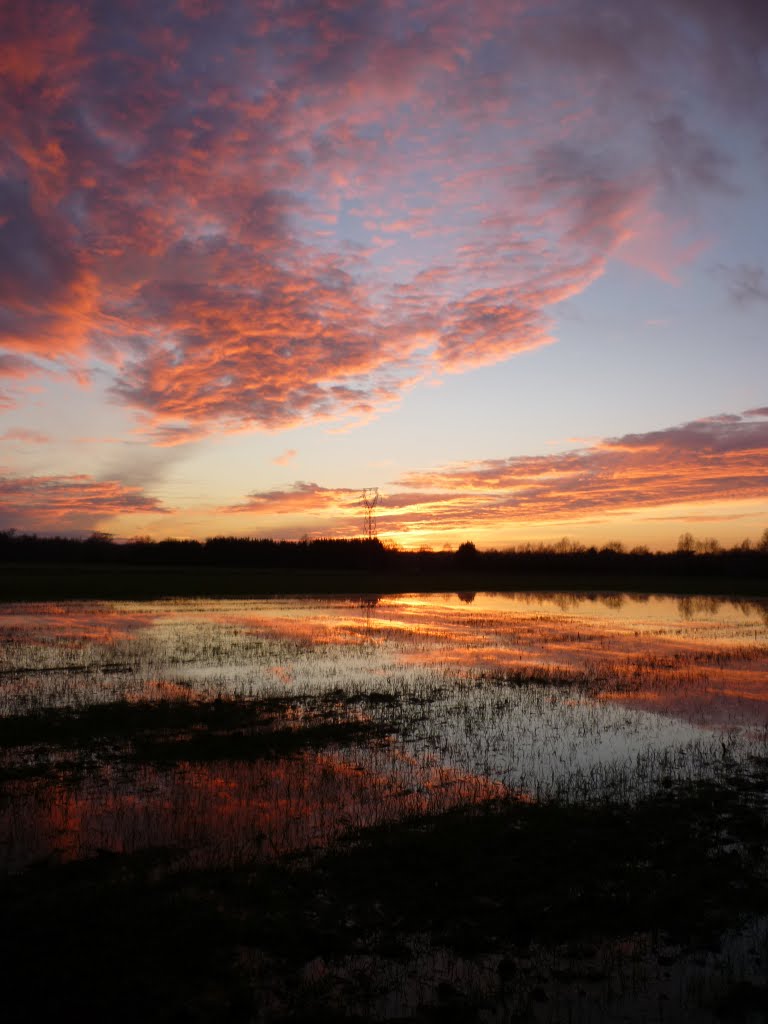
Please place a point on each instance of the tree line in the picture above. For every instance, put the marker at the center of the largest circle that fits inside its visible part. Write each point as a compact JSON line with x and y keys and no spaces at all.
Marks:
{"x":691,"y":558}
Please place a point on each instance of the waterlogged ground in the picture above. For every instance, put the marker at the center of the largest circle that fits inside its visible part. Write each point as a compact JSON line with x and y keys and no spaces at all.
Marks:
{"x":389,"y":754}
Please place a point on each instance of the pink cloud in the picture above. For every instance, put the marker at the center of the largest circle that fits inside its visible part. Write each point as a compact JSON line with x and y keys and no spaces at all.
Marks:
{"x":25,"y":436}
{"x":13,"y":366}
{"x":719,"y":458}
{"x":301,"y":497}
{"x":68,"y":503}
{"x":285,"y":457}
{"x":715,"y":459}
{"x":186,"y":200}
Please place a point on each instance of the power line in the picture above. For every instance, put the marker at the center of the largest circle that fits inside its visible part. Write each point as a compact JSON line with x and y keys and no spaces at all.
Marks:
{"x":369,"y":499}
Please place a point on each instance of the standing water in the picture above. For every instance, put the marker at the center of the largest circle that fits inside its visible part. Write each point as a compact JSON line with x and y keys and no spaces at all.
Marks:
{"x":229,"y":730}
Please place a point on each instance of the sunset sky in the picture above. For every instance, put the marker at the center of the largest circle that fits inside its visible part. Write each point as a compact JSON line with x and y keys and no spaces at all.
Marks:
{"x":505,"y":260}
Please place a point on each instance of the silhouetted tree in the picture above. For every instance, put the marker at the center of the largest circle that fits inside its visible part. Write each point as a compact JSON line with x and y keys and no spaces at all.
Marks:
{"x":686,"y":544}
{"x":466,"y":555}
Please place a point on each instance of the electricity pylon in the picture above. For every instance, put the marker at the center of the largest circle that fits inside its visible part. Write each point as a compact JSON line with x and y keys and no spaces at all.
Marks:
{"x":370,"y":499}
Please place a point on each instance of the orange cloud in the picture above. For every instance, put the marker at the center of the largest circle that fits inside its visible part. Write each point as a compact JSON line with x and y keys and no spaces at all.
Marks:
{"x":301,"y":497}
{"x":720,"y":458}
{"x":25,"y":436}
{"x":68,"y":503}
{"x":285,"y":457}
{"x":196,"y":202}
{"x":13,"y":366}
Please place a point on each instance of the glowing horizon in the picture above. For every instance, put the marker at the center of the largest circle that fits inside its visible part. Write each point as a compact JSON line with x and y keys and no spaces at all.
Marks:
{"x":503,"y":262}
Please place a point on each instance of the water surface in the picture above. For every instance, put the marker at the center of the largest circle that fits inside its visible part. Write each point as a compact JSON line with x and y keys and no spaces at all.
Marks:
{"x":471,"y":695}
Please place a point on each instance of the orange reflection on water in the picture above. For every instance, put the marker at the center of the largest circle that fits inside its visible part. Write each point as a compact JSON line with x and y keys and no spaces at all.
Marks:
{"x":735,"y":697}
{"x":688,"y":661}
{"x":623,"y":644}
{"x":710,"y":670}
{"x":87,"y":621}
{"x":226,"y":813}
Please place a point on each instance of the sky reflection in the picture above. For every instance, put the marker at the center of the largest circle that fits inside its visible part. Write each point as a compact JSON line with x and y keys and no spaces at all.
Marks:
{"x":707,"y":647}
{"x":227,"y":813}
{"x":538,"y":695}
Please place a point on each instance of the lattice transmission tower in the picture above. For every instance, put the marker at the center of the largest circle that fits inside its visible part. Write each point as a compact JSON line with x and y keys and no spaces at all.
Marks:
{"x":370,"y":499}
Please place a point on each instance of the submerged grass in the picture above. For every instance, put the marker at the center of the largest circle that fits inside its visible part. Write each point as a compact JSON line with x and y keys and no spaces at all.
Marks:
{"x":149,"y":719}
{"x":320,"y":824}
{"x":171,"y":732}
{"x":341,"y":935}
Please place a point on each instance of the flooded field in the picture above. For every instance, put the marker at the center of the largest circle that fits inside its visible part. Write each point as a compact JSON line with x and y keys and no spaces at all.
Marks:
{"x":229,"y":735}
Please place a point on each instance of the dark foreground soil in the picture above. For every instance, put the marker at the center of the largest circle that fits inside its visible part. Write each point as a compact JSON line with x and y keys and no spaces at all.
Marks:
{"x":506,"y":911}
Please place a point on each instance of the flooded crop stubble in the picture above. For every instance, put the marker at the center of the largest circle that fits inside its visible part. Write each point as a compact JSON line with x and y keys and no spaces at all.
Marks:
{"x":535,"y":696}
{"x":546,"y":806}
